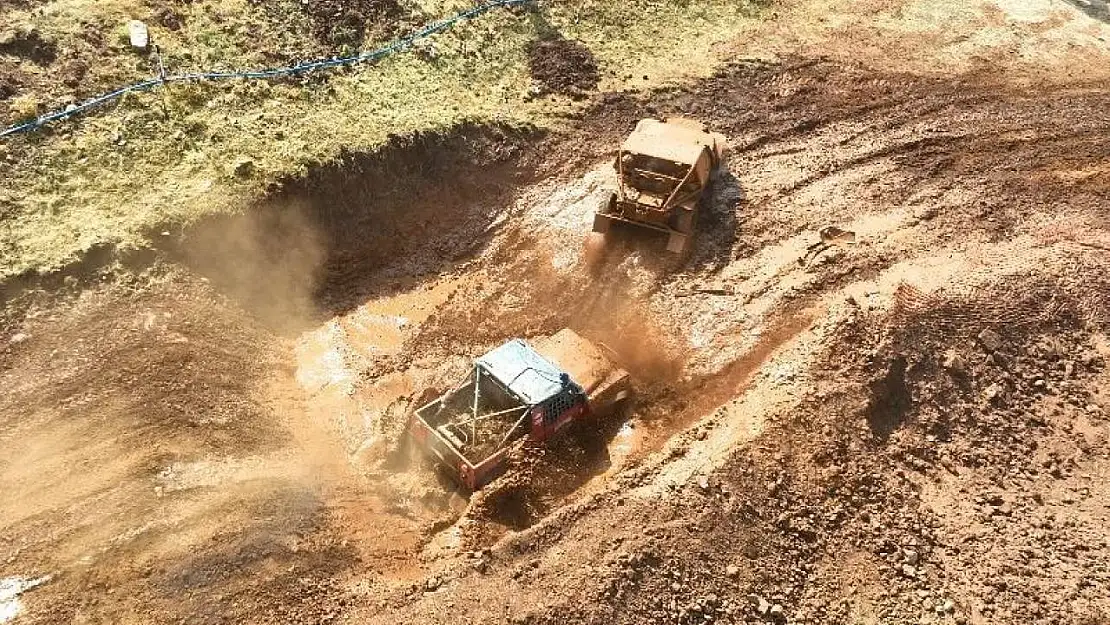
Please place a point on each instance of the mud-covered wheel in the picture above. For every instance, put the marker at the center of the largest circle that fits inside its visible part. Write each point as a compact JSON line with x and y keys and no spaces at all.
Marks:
{"x":681,"y":241}
{"x":685,"y":221}
{"x":595,"y":248}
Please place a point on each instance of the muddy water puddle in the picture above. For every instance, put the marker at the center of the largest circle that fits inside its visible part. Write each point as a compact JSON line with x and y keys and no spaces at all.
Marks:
{"x":332,"y":360}
{"x":332,"y":353}
{"x":385,"y":518}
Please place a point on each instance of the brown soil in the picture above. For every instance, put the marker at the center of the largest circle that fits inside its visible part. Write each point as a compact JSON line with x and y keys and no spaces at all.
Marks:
{"x":561,"y":65}
{"x":909,"y":428}
{"x":343,"y":24}
{"x":9,"y":82}
{"x":30,"y":46}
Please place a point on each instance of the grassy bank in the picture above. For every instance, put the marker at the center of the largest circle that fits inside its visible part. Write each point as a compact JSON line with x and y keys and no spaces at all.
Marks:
{"x":162,"y":160}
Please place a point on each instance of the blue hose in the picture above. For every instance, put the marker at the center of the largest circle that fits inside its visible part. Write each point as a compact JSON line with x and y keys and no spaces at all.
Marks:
{"x":262,"y":74}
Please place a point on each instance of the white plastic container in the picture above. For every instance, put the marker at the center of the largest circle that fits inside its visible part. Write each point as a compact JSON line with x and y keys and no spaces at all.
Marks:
{"x":140,"y":35}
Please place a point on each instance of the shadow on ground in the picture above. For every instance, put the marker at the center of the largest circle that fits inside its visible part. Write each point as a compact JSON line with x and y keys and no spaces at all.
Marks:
{"x":1097,"y":9}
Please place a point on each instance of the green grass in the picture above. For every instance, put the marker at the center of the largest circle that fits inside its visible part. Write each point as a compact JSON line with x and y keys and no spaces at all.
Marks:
{"x":167,"y":159}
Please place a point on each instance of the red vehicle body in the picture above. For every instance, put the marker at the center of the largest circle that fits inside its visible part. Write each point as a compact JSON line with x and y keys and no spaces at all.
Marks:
{"x":515,"y":391}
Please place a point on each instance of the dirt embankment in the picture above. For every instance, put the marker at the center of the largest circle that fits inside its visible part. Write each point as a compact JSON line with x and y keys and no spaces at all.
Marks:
{"x":121,"y":407}
{"x":560,"y":65}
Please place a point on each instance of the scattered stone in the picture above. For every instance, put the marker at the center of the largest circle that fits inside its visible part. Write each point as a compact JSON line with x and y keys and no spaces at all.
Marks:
{"x":243,"y":167}
{"x":911,"y":557}
{"x":776,"y":612}
{"x":992,"y":392}
{"x":18,"y":338}
{"x":953,"y":362}
{"x":909,"y":570}
{"x":762,"y":607}
{"x":990,"y":340}
{"x":732,"y":570}
{"x":924,"y":213}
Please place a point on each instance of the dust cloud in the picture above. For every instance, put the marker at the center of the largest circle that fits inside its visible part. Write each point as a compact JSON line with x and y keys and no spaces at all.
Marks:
{"x":269,"y":260}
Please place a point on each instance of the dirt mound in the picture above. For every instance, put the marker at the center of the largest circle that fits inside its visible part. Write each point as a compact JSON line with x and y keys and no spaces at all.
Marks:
{"x":30,"y":45}
{"x":9,"y":82}
{"x":344,"y":25}
{"x":168,"y":16}
{"x":561,"y":65}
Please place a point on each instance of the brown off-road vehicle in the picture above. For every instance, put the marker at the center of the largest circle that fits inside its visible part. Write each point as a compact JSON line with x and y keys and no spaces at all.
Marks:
{"x":664,"y":171}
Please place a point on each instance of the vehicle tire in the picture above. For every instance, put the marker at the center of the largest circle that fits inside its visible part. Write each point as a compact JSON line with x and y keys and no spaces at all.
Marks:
{"x":685,"y":221}
{"x":685,"y":225}
{"x":608,"y":205}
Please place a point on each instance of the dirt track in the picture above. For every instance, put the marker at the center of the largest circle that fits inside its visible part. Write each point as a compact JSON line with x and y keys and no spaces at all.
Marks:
{"x":202,"y":445}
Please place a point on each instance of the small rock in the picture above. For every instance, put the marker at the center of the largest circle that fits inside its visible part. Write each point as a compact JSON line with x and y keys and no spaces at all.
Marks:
{"x":992,"y":392}
{"x":953,"y":362}
{"x":924,"y":213}
{"x":760,"y":604}
{"x":243,"y":167}
{"x":947,"y":607}
{"x":909,"y":571}
{"x":732,"y":570}
{"x":18,"y":338}
{"x":909,"y":556}
{"x":431,"y":584}
{"x":990,"y":340}
{"x":776,"y":612}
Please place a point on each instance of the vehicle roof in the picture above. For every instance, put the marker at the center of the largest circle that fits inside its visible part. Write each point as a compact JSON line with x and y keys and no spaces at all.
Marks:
{"x":676,"y":142}
{"x":585,"y":363}
{"x":523,"y":371}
